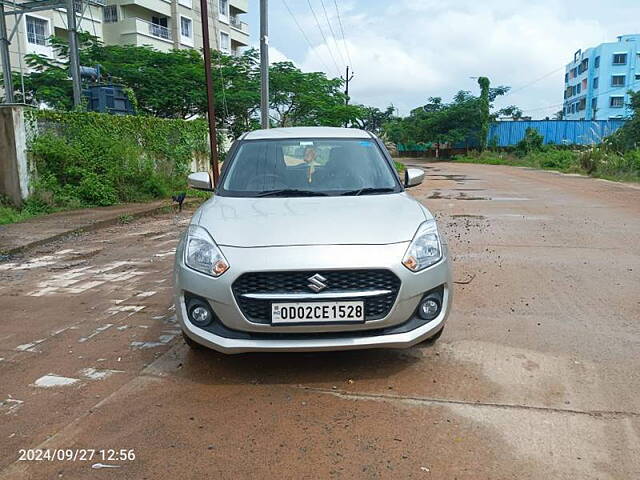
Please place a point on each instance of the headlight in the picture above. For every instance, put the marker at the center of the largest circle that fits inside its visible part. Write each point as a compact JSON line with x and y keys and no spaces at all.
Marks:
{"x":425,"y":249}
{"x":202,"y":254}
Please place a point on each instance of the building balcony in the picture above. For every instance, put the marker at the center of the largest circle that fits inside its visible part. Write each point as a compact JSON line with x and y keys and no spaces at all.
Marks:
{"x":242,"y":5}
{"x":159,"y":6}
{"x":137,"y":31}
{"x":238,"y":24}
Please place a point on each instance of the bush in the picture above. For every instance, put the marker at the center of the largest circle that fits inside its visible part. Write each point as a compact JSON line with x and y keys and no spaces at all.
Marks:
{"x":91,"y":159}
{"x":532,"y":142}
{"x":555,"y":159}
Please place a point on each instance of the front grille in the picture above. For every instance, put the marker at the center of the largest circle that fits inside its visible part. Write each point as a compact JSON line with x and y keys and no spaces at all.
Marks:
{"x":338,"y":281}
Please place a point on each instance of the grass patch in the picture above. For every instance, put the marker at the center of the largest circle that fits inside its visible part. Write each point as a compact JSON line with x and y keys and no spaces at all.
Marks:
{"x":400,"y":168}
{"x":32,"y":208}
{"x":596,"y":162}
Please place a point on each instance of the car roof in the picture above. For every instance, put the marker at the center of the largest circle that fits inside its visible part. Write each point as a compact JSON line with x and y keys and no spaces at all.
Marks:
{"x":305,"y":132}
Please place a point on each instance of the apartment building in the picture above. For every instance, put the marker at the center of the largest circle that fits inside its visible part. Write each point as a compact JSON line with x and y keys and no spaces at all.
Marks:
{"x":161,"y":24}
{"x":598,"y":80}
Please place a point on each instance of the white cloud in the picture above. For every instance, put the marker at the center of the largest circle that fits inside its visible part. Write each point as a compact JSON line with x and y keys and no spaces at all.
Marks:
{"x":406,"y":51}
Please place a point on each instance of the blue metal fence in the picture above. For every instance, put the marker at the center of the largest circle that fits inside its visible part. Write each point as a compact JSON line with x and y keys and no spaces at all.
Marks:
{"x":558,"y":132}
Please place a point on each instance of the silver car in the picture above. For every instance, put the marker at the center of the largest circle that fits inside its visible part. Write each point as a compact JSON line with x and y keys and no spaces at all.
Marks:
{"x":310,"y":243}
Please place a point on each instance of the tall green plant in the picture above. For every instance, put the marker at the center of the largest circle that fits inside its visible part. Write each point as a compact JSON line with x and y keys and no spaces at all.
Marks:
{"x":100,"y":159}
{"x":484,"y":106}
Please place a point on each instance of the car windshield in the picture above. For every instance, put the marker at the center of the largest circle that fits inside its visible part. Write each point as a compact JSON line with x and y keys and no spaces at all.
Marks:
{"x":309,"y":167}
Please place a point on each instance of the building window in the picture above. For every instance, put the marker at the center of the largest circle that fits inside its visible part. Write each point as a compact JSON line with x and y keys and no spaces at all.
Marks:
{"x":582,"y":105}
{"x":594,"y":104}
{"x":186,"y":27}
{"x":37,"y":30}
{"x":578,"y":88}
{"x":618,"y":80}
{"x":584,"y":84}
{"x":186,"y":3}
{"x":596,"y":81}
{"x":224,"y":42}
{"x":566,"y":78}
{"x":616,"y":102}
{"x":619,"y":58}
{"x":637,"y":76}
{"x":110,"y":14}
{"x":223,"y":7}
{"x":596,"y":62}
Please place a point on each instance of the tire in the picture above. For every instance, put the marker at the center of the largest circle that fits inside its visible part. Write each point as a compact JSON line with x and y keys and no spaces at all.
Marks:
{"x":433,"y":339}
{"x":193,"y":345}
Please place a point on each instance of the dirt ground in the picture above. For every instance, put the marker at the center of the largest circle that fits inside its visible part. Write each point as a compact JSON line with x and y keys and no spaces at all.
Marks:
{"x":537,"y":375}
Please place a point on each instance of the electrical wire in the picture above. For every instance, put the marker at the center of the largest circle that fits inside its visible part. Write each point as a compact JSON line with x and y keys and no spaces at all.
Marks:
{"x":546,"y":75}
{"x":326,"y":68}
{"x":333,"y":35}
{"x":324,"y":37}
{"x":597,"y":95}
{"x":344,"y":40}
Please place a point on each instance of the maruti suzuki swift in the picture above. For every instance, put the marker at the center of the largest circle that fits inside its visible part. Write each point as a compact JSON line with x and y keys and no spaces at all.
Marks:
{"x":310,"y":242}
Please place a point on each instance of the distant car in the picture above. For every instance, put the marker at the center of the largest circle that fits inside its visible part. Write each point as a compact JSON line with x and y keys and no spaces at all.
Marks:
{"x":310,"y":243}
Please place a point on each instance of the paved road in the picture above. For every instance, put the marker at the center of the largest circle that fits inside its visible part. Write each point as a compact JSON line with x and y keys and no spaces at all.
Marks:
{"x":536,"y":377}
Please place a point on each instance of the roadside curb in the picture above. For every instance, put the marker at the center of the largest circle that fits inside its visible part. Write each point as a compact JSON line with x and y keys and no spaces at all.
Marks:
{"x":100,"y":224}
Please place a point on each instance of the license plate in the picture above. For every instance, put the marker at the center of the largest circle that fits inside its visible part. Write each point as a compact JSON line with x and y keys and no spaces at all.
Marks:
{"x":317,"y":312}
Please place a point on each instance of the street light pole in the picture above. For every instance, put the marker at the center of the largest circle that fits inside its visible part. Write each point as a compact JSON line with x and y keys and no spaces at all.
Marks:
{"x":264,"y":63}
{"x":211,"y":112}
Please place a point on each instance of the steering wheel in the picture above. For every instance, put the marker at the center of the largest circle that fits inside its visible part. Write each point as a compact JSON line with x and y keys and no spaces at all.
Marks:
{"x":257,"y":183}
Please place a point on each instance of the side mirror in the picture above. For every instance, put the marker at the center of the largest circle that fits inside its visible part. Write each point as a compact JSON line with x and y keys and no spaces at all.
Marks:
{"x":200,"y":181}
{"x":413,"y":177}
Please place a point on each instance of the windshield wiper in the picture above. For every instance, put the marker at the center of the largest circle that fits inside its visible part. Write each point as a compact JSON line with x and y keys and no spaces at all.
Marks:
{"x":368,"y":190}
{"x":291,"y":192}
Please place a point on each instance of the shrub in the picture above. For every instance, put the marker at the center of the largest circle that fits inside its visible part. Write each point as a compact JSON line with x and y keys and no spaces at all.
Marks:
{"x":532,"y":142}
{"x":91,"y":159}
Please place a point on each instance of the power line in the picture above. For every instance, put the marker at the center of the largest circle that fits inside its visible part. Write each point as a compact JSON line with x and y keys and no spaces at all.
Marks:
{"x":346,"y":46}
{"x":333,"y":35}
{"x":596,"y":95}
{"x":305,"y":35}
{"x":323,"y":36}
{"x":546,"y":75}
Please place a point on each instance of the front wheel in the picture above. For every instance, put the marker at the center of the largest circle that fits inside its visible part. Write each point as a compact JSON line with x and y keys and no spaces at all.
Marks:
{"x":193,"y":345}
{"x":434,"y":338}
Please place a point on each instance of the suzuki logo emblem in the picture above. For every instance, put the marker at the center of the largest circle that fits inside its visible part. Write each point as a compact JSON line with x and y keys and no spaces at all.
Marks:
{"x":316,"y":282}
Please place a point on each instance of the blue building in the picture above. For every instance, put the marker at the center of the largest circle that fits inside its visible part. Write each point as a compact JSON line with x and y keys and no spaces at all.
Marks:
{"x":598,"y":80}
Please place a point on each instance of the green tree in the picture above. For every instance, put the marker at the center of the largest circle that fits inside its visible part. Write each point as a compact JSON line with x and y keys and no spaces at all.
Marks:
{"x":372,"y":119}
{"x":307,"y":98}
{"x":628,"y":137}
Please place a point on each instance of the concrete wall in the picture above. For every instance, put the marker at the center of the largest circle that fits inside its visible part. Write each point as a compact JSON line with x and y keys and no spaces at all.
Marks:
{"x":14,"y":168}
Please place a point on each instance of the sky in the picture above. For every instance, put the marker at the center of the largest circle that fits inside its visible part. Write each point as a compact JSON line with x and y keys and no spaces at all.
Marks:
{"x":404,"y":51}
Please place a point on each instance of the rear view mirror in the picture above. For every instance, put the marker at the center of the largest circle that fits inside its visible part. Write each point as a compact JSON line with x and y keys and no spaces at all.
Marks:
{"x":413,"y":177}
{"x":200,"y":181}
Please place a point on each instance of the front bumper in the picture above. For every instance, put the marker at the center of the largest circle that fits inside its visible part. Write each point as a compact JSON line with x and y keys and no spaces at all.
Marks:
{"x":398,"y":329}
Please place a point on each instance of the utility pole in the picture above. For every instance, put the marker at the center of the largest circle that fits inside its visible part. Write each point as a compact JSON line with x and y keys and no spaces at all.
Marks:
{"x":211,"y":112}
{"x":74,"y":61}
{"x":4,"y":54}
{"x":347,"y":79}
{"x":264,"y":63}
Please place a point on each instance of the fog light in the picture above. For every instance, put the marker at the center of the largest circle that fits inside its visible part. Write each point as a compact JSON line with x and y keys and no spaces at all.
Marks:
{"x":429,"y":308}
{"x":200,"y":315}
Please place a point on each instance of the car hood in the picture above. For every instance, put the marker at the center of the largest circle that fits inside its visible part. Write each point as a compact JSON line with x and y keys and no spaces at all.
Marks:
{"x":266,"y":222}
